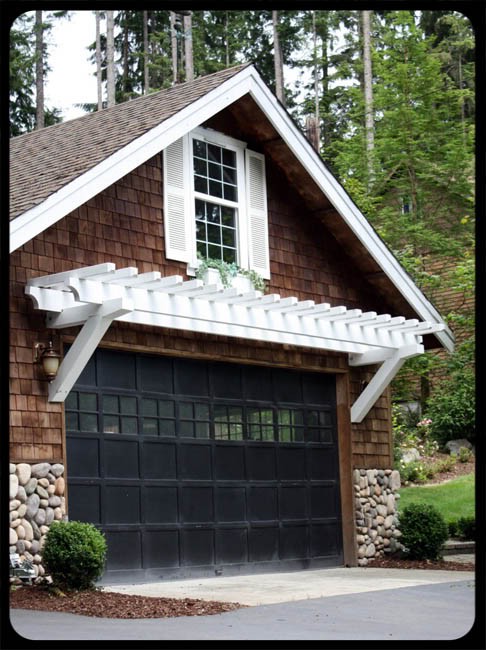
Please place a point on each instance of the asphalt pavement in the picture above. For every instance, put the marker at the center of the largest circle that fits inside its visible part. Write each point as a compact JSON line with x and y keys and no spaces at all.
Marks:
{"x":326,"y":604}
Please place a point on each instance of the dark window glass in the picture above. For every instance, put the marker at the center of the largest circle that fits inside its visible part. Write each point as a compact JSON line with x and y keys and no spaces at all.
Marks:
{"x":87,"y":402}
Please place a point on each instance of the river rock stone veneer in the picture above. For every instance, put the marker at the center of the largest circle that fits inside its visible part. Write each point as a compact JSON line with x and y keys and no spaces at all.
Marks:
{"x":375,"y":497}
{"x":36,"y":500}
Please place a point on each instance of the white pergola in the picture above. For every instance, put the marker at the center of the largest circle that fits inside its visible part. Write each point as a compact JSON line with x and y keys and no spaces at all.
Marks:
{"x":95,"y":296}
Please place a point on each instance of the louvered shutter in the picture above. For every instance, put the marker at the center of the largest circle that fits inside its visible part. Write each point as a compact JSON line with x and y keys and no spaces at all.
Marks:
{"x":177,"y":213}
{"x":256,"y":200}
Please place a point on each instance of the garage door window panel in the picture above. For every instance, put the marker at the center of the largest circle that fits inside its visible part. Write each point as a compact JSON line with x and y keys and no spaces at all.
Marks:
{"x":228,"y":422}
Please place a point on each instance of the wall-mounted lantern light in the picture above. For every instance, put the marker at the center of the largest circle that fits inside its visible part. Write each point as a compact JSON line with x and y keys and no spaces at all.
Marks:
{"x":48,"y":358}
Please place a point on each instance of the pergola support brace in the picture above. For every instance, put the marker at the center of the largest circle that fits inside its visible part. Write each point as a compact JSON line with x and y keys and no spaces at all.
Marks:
{"x":83,"y":347}
{"x":383,"y":376}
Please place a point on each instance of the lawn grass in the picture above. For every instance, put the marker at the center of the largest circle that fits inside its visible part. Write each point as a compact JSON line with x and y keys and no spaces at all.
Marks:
{"x":454,"y":499}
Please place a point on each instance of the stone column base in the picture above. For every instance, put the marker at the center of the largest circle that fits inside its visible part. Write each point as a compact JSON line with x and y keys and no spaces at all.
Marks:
{"x":375,"y":497}
{"x":36,"y":500}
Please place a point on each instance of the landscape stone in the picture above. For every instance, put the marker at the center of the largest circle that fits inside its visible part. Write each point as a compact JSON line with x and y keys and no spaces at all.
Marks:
{"x":40,"y":470}
{"x":40,"y":517}
{"x":21,"y":494}
{"x":33,"y":502}
{"x":394,"y":483}
{"x":410,"y":455}
{"x":31,"y":486}
{"x":11,"y":468}
{"x":13,"y":537}
{"x":14,"y":504}
{"x":453,"y":446}
{"x":42,"y":492}
{"x":14,"y":485}
{"x":23,"y":472}
{"x":57,"y":469}
{"x":44,"y":482}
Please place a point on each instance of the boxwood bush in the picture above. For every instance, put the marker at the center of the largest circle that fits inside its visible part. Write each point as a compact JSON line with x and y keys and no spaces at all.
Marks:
{"x":424,"y":531}
{"x":74,"y":554}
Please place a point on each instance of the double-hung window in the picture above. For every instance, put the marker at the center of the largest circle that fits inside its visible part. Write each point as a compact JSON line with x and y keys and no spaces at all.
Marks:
{"x":215,"y":201}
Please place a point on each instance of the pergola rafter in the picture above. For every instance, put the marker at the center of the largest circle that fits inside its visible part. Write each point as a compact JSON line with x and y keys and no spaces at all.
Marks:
{"x":95,"y":296}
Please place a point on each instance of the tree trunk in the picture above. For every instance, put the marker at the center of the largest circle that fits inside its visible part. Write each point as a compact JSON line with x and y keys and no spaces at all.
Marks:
{"x":316,"y":129}
{"x":173,"y":40}
{"x":98,"y":62}
{"x":188,"y":56}
{"x":278,"y":61}
{"x":110,"y":59}
{"x":146,"y":77}
{"x":226,"y":39}
{"x":39,"y":71}
{"x":368,"y":93}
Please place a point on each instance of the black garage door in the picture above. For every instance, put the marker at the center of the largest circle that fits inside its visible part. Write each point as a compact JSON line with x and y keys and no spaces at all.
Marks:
{"x":194,"y":467}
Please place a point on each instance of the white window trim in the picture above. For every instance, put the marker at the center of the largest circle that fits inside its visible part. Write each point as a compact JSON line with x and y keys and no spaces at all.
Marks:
{"x":211,"y":136}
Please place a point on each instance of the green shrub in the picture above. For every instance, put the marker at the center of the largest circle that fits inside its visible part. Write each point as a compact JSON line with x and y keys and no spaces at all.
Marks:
{"x":424,"y":531}
{"x":452,"y":408}
{"x":74,"y":554}
{"x":453,"y":528}
{"x":414,"y":472}
{"x":445,"y":464}
{"x":465,"y":455}
{"x":466,"y":527}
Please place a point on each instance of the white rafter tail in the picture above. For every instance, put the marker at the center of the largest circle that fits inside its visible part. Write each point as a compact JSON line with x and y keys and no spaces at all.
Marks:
{"x":186,"y":288}
{"x":362,"y":318}
{"x":61,"y":278}
{"x":381,"y":379}
{"x":138,"y":279}
{"x":120,"y":276}
{"x":50,"y":300}
{"x":299,"y":308}
{"x":163,"y":284}
{"x":282,"y":304}
{"x":84,"y":345}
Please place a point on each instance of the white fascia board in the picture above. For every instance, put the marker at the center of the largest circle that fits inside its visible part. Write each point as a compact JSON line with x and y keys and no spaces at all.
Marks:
{"x":26,"y":226}
{"x":350,"y":213}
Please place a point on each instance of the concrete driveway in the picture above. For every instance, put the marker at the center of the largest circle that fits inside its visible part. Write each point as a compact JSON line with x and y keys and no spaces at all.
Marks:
{"x":340,"y":603}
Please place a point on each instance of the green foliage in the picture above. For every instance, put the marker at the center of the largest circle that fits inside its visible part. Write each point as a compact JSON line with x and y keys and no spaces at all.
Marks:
{"x":465,"y":455}
{"x":414,"y":472}
{"x":424,"y":531}
{"x":227,"y":271}
{"x":451,"y":407}
{"x":466,"y":528}
{"x":74,"y":554}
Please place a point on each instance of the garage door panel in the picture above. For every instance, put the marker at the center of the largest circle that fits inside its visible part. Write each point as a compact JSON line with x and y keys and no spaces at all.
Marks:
{"x":229,"y":462}
{"x":121,"y":459}
{"x":194,"y":461}
{"x":156,"y":374}
{"x":291,"y":463}
{"x":293,"y":502}
{"x":158,"y":460}
{"x":231,"y":545}
{"x":125,"y":549}
{"x":325,"y":539}
{"x":116,"y":371}
{"x":160,"y":504}
{"x":324,"y":501}
{"x":230,"y":504}
{"x":321,"y":463}
{"x":191,"y":378}
{"x":161,"y":549}
{"x":197,"y":547}
{"x":197,"y":504}
{"x":293,"y":542}
{"x":83,"y":457}
{"x":263,"y":503}
{"x":122,"y":504}
{"x":263,"y":544}
{"x":85,"y":501}
{"x":261,"y":463}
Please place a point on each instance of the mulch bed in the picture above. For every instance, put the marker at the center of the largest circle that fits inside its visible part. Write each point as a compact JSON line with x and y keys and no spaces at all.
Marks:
{"x":443,"y":565}
{"x":107,"y":604}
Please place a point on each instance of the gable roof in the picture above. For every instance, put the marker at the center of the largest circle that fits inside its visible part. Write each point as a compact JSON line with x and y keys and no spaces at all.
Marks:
{"x":57,"y":169}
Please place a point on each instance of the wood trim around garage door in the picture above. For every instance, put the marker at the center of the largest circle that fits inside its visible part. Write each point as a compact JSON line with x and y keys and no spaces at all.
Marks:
{"x":345,"y":468}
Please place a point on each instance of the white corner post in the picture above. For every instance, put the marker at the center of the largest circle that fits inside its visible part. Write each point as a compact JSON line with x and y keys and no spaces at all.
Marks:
{"x":380,"y":380}
{"x":84,"y":345}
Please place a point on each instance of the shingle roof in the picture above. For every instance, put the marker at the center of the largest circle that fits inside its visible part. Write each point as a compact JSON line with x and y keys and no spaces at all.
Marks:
{"x":44,"y":161}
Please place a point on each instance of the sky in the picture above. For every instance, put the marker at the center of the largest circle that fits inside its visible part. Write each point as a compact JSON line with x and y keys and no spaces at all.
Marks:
{"x":71,"y":79}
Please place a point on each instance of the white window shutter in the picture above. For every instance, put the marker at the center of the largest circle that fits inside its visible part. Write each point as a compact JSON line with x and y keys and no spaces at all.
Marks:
{"x":177,"y":212}
{"x":256,"y":201}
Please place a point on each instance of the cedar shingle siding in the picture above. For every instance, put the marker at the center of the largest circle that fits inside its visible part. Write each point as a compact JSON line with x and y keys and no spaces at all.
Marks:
{"x":124,"y":225}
